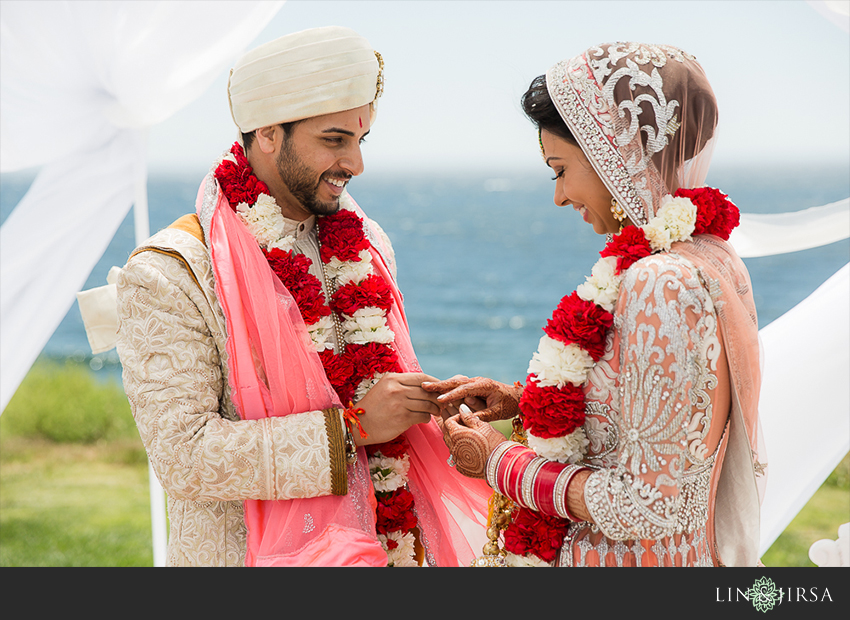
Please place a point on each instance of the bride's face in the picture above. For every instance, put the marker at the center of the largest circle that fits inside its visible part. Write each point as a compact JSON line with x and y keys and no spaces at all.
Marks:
{"x":578,"y":185}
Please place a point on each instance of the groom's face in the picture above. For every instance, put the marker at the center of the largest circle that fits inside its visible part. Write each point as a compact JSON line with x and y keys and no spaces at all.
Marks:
{"x":319,"y":157}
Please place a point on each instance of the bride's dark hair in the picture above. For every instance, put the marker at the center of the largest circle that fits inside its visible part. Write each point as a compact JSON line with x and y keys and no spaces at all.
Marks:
{"x":538,"y":107}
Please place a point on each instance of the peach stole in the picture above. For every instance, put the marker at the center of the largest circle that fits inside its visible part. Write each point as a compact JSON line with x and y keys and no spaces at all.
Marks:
{"x":736,"y":491}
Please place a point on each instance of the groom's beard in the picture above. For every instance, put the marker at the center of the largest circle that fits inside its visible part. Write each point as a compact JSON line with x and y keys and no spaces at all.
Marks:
{"x":303,"y":182}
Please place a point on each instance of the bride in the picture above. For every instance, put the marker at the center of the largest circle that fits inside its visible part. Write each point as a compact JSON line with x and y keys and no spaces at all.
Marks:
{"x":636,"y":433}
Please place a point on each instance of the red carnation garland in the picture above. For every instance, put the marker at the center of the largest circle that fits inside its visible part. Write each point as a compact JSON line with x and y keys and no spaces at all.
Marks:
{"x":341,"y":238}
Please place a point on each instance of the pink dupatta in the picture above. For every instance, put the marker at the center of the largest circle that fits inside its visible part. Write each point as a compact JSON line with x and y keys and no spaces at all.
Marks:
{"x":275,"y":371}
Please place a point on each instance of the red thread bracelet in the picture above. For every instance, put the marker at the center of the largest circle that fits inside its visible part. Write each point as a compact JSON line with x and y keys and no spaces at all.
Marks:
{"x":352,"y":419}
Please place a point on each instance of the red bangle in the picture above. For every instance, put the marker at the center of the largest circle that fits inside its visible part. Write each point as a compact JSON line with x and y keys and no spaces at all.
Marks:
{"x":511,"y":476}
{"x":544,"y":486}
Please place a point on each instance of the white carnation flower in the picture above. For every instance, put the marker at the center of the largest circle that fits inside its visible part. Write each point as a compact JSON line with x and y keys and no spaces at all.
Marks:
{"x":658,"y":236}
{"x":403,"y":555}
{"x":350,"y":271}
{"x":675,"y":221}
{"x":557,"y":364}
{"x":367,"y":325}
{"x":525,"y":561}
{"x":286,"y":244}
{"x":602,"y":286}
{"x":264,"y":220}
{"x":320,"y":333}
{"x":345,"y":201}
{"x":384,"y":335}
{"x":388,"y":474}
{"x":568,"y":449}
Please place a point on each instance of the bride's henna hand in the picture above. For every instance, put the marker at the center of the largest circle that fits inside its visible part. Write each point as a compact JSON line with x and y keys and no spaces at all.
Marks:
{"x":502,"y":401}
{"x":470,"y":441}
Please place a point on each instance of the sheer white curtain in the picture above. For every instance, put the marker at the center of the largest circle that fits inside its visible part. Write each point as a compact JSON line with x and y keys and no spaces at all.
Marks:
{"x":804,"y":404}
{"x":80,"y":83}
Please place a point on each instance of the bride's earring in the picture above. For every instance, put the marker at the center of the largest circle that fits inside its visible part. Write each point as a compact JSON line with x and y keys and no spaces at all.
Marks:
{"x":618,"y":212}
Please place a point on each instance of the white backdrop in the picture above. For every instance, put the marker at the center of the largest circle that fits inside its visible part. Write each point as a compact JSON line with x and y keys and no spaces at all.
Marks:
{"x":81,"y":81}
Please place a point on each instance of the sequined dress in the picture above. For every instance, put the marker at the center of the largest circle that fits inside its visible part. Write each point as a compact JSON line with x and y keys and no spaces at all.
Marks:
{"x":649,"y":411}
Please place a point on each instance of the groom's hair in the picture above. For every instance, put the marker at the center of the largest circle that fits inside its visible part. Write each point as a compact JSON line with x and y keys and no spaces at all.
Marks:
{"x":538,"y":107}
{"x":248,"y":138}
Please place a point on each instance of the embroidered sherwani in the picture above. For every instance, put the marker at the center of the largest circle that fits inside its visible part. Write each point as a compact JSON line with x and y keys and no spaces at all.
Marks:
{"x":649,"y":408}
{"x":172,"y":344}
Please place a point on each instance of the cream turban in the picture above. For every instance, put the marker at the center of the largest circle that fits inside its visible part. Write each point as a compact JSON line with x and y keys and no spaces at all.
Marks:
{"x":308,"y":73}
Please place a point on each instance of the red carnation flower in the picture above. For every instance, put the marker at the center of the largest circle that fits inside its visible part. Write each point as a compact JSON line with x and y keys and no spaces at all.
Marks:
{"x":551,"y":411}
{"x":395,"y":512}
{"x":289,"y":266}
{"x":237,"y":180}
{"x":536,"y":533}
{"x":341,"y":235}
{"x":394,"y":449}
{"x":716,"y":214}
{"x":366,"y":360}
{"x":339,"y":371}
{"x":305,"y":288}
{"x":629,"y":246}
{"x":371,"y":292}
{"x":581,"y":322}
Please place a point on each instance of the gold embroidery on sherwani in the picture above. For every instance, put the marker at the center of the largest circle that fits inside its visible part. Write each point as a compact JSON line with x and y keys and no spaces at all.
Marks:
{"x":336,"y":441}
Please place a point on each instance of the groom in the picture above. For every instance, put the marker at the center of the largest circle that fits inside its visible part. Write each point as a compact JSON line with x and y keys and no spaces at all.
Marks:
{"x":255,"y":418}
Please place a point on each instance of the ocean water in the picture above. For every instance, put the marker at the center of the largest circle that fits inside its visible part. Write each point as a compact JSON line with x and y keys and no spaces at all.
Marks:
{"x":483,"y":261}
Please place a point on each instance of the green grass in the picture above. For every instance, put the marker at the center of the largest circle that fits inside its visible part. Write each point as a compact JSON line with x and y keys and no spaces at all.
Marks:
{"x":73,"y":474}
{"x":73,"y":505}
{"x":74,"y":480}
{"x":828,"y":508}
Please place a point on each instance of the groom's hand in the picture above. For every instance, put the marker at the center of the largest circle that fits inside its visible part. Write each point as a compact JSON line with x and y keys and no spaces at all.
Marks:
{"x":393,"y":405}
{"x":450,"y":407}
{"x":501,"y":401}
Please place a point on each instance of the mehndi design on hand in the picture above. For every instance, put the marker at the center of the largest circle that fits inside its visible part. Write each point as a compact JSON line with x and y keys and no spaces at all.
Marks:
{"x":502,"y":400}
{"x":470,"y":441}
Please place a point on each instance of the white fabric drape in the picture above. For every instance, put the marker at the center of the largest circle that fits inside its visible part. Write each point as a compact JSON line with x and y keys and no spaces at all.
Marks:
{"x":80,"y":83}
{"x":805,"y":400}
{"x":836,"y":11}
{"x":780,"y":233}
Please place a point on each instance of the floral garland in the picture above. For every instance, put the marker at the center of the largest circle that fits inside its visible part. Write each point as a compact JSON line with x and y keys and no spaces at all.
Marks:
{"x":362,"y":301}
{"x":552,"y":405}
